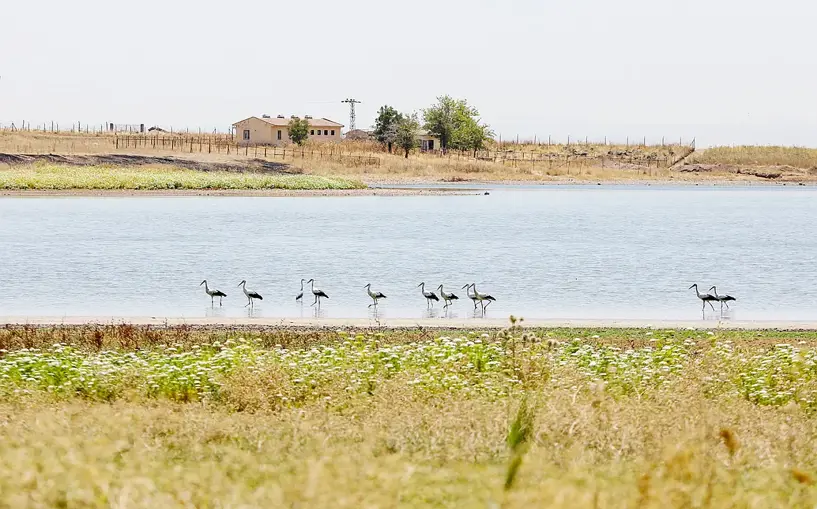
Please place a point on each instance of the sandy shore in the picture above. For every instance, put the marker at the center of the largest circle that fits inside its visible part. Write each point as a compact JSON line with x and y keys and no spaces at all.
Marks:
{"x":238,"y":192}
{"x":400,"y":323}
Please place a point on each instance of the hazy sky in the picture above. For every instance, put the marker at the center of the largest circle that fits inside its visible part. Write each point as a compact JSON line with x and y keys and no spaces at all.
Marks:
{"x":724,"y":71}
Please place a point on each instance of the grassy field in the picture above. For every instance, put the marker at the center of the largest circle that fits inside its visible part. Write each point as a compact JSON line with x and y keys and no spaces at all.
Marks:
{"x":797,"y":157}
{"x":509,"y":162}
{"x":182,"y":417}
{"x":62,"y":177}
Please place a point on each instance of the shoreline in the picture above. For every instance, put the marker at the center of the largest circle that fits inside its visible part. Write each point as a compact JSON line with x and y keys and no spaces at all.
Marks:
{"x":281,"y":193}
{"x":394,"y":188}
{"x":307,"y":324}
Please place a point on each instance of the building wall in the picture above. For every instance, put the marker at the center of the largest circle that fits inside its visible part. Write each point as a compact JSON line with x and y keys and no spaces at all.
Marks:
{"x":336,"y":137}
{"x":425,"y":138}
{"x":261,"y":133}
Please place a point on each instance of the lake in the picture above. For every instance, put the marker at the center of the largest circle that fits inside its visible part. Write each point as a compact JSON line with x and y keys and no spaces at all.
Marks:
{"x":548,"y":252}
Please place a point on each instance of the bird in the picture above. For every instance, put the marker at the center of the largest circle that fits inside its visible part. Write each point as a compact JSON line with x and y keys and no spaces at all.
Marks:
{"x":317,"y":293}
{"x":723,"y":299}
{"x":447,"y":297}
{"x":374,"y":295}
{"x":213,"y":293}
{"x":300,"y":296}
{"x":705,"y":298}
{"x":430,"y":296}
{"x":249,"y":293}
{"x":482,"y":297}
{"x":471,"y":296}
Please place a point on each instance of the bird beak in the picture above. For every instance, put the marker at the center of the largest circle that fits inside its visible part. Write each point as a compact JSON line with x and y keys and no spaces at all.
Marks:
{"x":691,"y":287}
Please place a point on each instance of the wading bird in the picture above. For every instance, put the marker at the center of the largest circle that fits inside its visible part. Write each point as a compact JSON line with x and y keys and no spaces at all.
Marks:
{"x":213,"y":293}
{"x":723,"y":299}
{"x":430,"y":296}
{"x":374,"y":295}
{"x":251,"y":295}
{"x":471,"y":296}
{"x":705,"y":298}
{"x":319,"y":294}
{"x":300,"y":295}
{"x":482,"y":297}
{"x":447,"y":297}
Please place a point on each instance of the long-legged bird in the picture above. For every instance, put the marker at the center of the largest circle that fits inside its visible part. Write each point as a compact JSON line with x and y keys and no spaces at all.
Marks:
{"x":472,"y":296}
{"x":300,"y":296}
{"x":430,"y":296}
{"x":319,"y":294}
{"x":251,"y":295}
{"x":705,"y":298}
{"x":447,"y":297}
{"x":482,"y":297}
{"x":213,"y":293}
{"x":374,"y":295}
{"x":723,"y":299}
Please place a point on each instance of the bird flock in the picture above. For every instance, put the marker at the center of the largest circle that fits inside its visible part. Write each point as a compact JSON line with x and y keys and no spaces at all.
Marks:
{"x":480,"y":299}
{"x":709,"y":298}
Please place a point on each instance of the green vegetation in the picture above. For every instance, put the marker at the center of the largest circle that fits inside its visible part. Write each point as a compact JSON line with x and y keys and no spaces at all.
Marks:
{"x":385,"y":126}
{"x":298,"y":130}
{"x":406,"y":137}
{"x":56,"y":177}
{"x":456,"y":124}
{"x":181,"y":417}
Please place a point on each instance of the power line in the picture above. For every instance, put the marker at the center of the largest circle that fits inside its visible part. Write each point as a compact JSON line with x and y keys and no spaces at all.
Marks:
{"x":351,"y":103}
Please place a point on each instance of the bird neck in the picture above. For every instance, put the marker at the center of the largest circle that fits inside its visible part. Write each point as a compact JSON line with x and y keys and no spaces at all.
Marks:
{"x":206,"y":289}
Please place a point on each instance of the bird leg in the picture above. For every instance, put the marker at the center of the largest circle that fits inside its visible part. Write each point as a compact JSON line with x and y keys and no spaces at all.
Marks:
{"x":219,"y":302}
{"x":710,"y":305}
{"x":727,"y":305}
{"x":316,"y":300}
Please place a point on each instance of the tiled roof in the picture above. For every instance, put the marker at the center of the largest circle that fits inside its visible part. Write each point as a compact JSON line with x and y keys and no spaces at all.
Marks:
{"x":283,"y":122}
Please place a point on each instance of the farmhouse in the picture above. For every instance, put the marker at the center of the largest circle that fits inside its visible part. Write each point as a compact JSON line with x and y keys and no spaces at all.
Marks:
{"x":266,"y":130}
{"x":428,"y":142}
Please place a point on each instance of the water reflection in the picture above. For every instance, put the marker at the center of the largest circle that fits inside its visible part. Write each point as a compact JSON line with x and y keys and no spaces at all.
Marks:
{"x":254,"y":312}
{"x":215,"y":312}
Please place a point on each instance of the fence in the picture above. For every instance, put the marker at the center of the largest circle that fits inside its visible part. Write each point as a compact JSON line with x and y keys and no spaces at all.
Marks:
{"x":224,"y":145}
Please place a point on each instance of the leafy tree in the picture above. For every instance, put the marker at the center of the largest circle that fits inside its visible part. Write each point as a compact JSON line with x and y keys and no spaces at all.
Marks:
{"x":407,"y":129}
{"x":298,"y":130}
{"x":453,"y":121}
{"x":471,"y":135}
{"x":385,"y":126}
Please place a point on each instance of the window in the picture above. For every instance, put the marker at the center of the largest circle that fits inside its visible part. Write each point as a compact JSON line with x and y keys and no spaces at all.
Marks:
{"x":312,"y":132}
{"x":279,"y":134}
{"x":333,"y":132}
{"x":326,"y":132}
{"x":246,"y":134}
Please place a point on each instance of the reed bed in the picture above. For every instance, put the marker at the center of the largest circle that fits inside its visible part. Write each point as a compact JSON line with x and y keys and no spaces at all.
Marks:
{"x":184,"y":417}
{"x":59,"y":177}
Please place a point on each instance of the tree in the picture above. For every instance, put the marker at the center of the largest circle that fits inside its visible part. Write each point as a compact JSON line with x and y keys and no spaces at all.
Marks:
{"x":406,"y":133}
{"x":448,"y":118}
{"x":298,"y":130}
{"x":471,"y":135}
{"x":385,"y":127}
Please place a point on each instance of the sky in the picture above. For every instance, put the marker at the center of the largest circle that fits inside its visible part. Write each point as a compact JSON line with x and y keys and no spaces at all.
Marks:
{"x":724,"y":72}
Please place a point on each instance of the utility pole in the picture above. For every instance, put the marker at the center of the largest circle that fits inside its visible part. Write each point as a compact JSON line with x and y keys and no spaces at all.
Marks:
{"x":351,"y":103}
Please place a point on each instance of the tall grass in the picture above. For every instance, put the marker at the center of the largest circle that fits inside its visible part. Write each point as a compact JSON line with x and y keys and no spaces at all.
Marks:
{"x":601,"y":418}
{"x":57,"y":177}
{"x":798,"y":157}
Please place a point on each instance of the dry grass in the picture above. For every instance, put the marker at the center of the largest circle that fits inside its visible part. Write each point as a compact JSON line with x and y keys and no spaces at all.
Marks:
{"x":524,"y":162}
{"x":797,"y":157}
{"x":685,"y":439}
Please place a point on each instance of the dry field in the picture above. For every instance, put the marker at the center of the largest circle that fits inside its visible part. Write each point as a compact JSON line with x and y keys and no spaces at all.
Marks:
{"x":123,"y":416}
{"x":510,"y":162}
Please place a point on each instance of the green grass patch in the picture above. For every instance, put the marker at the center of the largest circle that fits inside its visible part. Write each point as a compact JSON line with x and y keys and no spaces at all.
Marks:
{"x":59,"y":177}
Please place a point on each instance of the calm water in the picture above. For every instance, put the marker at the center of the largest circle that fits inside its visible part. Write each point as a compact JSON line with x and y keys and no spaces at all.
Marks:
{"x":555,"y":252}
